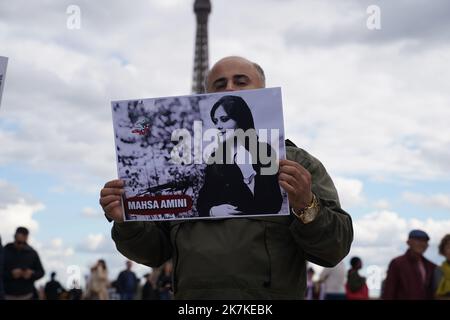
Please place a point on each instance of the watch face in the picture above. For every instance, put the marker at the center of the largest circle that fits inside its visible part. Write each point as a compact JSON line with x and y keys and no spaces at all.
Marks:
{"x":309,"y":214}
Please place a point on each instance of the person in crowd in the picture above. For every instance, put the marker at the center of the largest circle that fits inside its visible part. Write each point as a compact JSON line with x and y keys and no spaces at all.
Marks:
{"x":150,"y":291}
{"x":22,"y":267}
{"x":442,"y":273}
{"x":127,"y":283}
{"x":53,"y":289}
{"x":165,"y":282}
{"x":243,"y":258}
{"x":75,"y":292}
{"x":410,"y":276}
{"x":310,"y":284}
{"x":98,"y":282}
{"x":356,"y":287}
{"x":334,"y":282}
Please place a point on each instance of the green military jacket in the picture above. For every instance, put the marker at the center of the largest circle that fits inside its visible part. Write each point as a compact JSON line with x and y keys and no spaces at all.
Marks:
{"x":245,"y":258}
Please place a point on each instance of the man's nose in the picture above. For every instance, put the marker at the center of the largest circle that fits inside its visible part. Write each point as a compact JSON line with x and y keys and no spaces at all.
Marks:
{"x":230,"y":86}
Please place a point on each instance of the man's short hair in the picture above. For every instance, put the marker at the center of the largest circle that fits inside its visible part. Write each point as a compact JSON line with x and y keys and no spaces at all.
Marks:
{"x":445,"y":240}
{"x":22,"y":230}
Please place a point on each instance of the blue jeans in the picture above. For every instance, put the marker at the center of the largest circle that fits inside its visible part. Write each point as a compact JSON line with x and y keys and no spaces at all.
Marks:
{"x":335,"y":296}
{"x":126,"y":296}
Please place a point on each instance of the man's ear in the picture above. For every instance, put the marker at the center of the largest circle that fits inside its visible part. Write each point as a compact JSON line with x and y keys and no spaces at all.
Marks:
{"x":408,"y":242}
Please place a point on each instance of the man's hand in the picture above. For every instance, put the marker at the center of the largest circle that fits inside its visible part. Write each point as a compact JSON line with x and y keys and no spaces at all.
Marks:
{"x":17,"y":273}
{"x":224,"y":210}
{"x":28,"y":273}
{"x":110,"y":197}
{"x":296,"y":181}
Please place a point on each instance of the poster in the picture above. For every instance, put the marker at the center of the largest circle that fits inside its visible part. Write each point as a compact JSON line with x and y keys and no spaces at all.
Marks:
{"x":3,"y":63}
{"x":201,"y":156}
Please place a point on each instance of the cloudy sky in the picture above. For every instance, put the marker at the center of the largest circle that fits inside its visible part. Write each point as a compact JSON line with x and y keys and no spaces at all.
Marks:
{"x":372,"y":104}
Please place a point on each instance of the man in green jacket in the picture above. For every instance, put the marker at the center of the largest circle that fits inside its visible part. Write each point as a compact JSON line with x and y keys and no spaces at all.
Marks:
{"x":243,"y":258}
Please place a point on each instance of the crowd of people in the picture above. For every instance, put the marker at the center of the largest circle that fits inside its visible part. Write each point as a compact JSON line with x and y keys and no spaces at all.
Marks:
{"x":21,"y":267}
{"x":155,"y":285}
{"x":409,"y":276}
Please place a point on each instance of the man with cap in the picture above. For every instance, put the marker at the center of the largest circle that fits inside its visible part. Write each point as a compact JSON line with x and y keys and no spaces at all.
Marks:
{"x":409,"y":276}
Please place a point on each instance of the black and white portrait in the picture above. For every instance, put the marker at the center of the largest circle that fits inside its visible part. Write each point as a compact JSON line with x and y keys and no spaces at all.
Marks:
{"x":201,"y":156}
{"x":235,"y":180}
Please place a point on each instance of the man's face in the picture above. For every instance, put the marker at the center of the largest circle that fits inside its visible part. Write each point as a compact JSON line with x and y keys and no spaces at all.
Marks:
{"x":233,"y":73}
{"x":447,"y":251}
{"x":418,"y":246}
{"x":20,"y":240}
{"x":129,"y":265}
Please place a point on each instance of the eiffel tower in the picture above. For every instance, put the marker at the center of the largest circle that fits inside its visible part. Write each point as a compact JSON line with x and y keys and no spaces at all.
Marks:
{"x":202,"y":9}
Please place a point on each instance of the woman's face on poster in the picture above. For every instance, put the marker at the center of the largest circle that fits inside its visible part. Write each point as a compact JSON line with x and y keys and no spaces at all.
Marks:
{"x":223,"y":121}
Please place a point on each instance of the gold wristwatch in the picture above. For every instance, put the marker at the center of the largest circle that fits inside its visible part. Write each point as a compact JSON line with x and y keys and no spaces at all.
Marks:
{"x":308,"y":214}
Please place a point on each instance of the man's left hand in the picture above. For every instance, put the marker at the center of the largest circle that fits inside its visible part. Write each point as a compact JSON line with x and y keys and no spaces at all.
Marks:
{"x":296,"y":181}
{"x":28,"y":273}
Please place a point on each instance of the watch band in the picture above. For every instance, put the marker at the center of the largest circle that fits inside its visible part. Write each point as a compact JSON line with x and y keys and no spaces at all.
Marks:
{"x":309,"y":213}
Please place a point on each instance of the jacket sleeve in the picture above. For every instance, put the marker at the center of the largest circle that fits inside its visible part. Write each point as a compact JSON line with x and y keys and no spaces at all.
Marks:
{"x":437,"y":277}
{"x":38,"y":270}
{"x":390,"y":284}
{"x":146,"y":243}
{"x":327,"y":239}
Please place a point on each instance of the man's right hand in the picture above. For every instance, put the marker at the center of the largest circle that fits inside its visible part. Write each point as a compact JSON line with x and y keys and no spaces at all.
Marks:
{"x":110,"y":197}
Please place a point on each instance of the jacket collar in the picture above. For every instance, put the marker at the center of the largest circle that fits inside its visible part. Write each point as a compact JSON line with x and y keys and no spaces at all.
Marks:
{"x":412,"y":256}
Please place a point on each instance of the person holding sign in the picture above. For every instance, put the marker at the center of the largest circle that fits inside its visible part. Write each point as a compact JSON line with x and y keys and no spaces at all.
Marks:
{"x":243,"y":258}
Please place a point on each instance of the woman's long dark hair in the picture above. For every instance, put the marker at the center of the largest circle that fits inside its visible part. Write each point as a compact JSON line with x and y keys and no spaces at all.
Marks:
{"x":237,"y":109}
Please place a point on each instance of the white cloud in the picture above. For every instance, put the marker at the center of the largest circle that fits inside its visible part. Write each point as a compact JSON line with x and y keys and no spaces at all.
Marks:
{"x":57,"y":189}
{"x":96,"y":243}
{"x":439,"y":200}
{"x":364,"y":109}
{"x":16,"y":209}
{"x":91,"y":213}
{"x":381,"y":235}
{"x":350,"y":191}
{"x":54,"y":252}
{"x":55,"y":256}
{"x":382,"y":204}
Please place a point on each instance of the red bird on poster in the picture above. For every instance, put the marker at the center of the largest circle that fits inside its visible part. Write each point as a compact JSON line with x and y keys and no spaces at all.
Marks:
{"x":141,"y":128}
